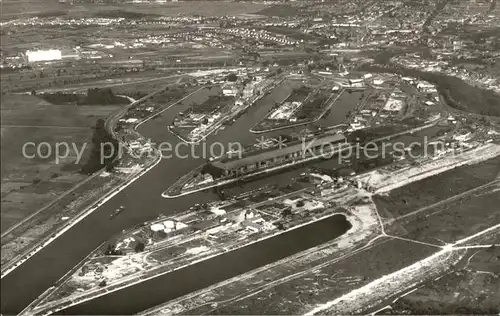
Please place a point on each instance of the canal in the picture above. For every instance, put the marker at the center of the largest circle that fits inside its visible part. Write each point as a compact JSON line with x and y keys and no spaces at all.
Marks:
{"x":142,"y":200}
{"x":169,"y":286}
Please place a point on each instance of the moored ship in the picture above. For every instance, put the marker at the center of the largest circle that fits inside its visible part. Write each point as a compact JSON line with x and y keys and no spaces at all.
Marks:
{"x":168,"y":244}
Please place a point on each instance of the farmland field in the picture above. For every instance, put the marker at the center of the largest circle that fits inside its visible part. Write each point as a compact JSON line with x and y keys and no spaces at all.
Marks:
{"x":30,"y":183}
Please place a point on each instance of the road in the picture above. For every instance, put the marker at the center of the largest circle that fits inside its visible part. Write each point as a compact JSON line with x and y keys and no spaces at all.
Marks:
{"x":171,"y":266}
{"x":143,"y":200}
{"x":38,"y":246}
{"x":83,"y":87}
{"x":46,"y":126}
{"x":121,"y":285}
{"x":110,"y":121}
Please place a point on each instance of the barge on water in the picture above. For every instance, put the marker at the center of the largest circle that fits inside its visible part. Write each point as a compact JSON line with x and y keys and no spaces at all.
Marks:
{"x":241,"y":166}
{"x":171,"y":243}
{"x":117,"y":212}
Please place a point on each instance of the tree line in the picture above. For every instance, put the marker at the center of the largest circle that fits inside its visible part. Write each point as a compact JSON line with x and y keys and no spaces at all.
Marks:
{"x":104,"y":150}
{"x":100,"y":96}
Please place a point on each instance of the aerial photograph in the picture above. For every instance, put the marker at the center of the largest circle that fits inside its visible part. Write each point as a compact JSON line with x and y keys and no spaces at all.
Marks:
{"x":250,"y":157}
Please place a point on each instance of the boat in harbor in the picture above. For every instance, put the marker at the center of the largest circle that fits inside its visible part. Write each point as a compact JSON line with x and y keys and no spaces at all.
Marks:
{"x":117,"y":212}
{"x":170,"y":243}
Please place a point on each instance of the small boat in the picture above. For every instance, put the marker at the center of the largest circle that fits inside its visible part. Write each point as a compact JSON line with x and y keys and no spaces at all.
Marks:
{"x":117,"y":212}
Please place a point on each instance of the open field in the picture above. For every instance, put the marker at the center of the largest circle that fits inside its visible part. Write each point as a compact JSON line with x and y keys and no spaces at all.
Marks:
{"x":281,"y":10}
{"x":138,"y":88}
{"x":209,"y":8}
{"x":472,"y":290}
{"x":61,"y":211}
{"x":29,"y":184}
{"x":298,"y":295}
{"x":24,"y":8}
{"x":492,"y":237}
{"x":129,"y":84}
{"x":16,"y":8}
{"x":455,"y":220}
{"x":430,"y":190}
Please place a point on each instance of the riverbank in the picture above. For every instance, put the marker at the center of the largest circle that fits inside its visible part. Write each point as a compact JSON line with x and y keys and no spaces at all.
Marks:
{"x":218,"y":268}
{"x":44,"y":228}
{"x":143,"y":196}
{"x":364,"y":229}
{"x":229,"y":118}
{"x":223,"y":239}
{"x":380,"y":262}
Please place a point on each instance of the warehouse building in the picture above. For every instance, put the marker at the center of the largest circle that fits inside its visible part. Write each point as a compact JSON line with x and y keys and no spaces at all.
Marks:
{"x":275,"y":157}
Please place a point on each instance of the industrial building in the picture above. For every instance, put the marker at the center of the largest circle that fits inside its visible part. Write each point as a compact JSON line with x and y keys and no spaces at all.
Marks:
{"x":43,"y":55}
{"x":275,"y":157}
{"x":230,"y":90}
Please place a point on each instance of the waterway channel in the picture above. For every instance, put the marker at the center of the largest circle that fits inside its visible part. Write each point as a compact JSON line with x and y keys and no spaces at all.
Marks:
{"x":142,"y":200}
{"x":169,"y":286}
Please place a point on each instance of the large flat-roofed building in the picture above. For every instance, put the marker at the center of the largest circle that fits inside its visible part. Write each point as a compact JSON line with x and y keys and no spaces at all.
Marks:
{"x":43,"y":55}
{"x":274,"y":157}
{"x":229,"y":90}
